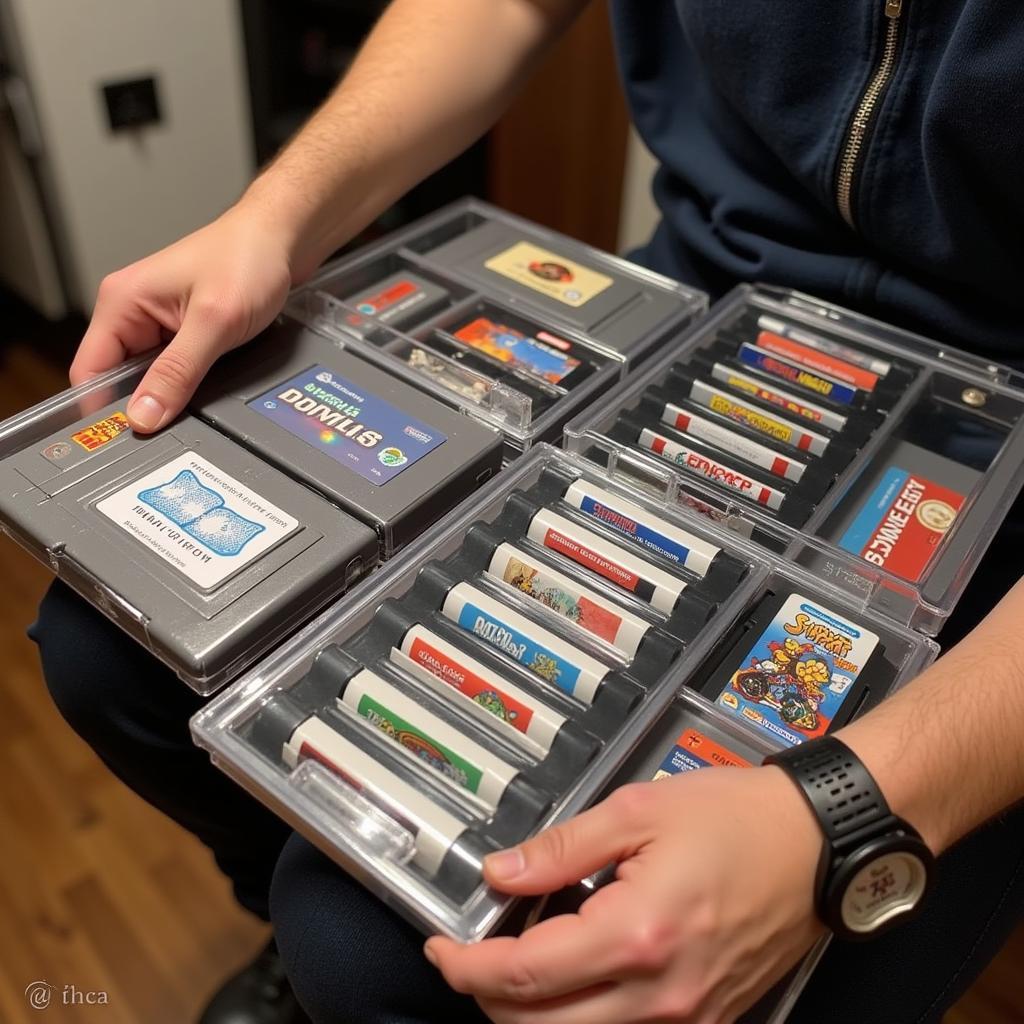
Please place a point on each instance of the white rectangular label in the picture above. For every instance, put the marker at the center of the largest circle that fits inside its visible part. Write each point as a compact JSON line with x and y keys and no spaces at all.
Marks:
{"x":198,"y":519}
{"x":729,"y":441}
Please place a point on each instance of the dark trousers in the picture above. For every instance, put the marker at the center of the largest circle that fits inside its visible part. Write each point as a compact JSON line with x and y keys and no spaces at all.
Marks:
{"x":352,"y":960}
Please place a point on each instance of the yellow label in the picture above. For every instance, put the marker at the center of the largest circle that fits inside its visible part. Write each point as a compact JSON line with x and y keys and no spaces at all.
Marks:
{"x":548,"y":273}
{"x":100,"y":432}
{"x":752,"y":417}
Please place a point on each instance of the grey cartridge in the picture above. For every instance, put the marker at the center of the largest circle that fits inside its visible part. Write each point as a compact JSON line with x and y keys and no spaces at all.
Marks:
{"x":205,"y":554}
{"x":382,"y":450}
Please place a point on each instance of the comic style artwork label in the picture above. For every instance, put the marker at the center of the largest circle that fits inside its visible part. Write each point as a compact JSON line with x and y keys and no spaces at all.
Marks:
{"x":902,"y":523}
{"x":519,"y":351}
{"x":566,"y":597}
{"x":696,"y":462}
{"x":799,"y":672}
{"x":549,"y":273}
{"x":546,"y":655}
{"x":484,"y":688}
{"x":353,"y":427}
{"x":694,"y":750}
{"x":198,"y":519}
{"x":420,"y":744}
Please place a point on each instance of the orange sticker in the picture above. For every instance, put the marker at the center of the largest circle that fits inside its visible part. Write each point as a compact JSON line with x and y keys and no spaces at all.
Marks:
{"x":99,"y":433}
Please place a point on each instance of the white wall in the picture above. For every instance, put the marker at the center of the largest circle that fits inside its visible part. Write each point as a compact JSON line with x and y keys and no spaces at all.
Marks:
{"x":639,"y":214}
{"x":120,"y":196}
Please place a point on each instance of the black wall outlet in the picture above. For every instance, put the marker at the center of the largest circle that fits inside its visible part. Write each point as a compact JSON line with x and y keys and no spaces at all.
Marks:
{"x":131,"y":104}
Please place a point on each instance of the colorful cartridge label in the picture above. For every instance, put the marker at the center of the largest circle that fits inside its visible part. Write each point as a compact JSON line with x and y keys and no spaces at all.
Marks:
{"x":649,"y":583}
{"x":819,"y":361}
{"x":782,"y":399}
{"x":101,"y":432}
{"x":799,"y":673}
{"x":353,"y":427}
{"x":645,"y":529}
{"x":549,"y":273}
{"x":694,"y":750}
{"x":717,"y":472}
{"x":902,"y":523}
{"x":879,"y":367}
{"x":198,"y":519}
{"x":757,"y":454}
{"x":776,"y":366}
{"x":441,"y":758}
{"x":439,"y":659}
{"x":568,"y":598}
{"x":394,"y":299}
{"x":516,"y":350}
{"x":756,"y":419}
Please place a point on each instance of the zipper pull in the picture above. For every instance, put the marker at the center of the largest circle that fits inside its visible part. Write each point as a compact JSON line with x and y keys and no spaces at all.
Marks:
{"x":893,"y":8}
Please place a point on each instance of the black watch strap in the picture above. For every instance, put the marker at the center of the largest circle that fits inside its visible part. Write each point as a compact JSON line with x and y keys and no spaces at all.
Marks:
{"x":841,"y":791}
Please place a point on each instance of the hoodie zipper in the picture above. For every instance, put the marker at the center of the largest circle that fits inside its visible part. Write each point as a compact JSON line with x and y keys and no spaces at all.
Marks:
{"x":860,"y":127}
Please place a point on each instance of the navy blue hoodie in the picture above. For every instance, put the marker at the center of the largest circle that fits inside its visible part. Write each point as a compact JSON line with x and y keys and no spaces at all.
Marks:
{"x":750,"y":106}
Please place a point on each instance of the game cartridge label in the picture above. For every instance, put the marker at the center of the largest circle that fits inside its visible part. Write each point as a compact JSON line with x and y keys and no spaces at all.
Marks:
{"x":783,"y":399}
{"x":433,"y":828}
{"x":198,"y":519}
{"x":658,"y":588}
{"x":545,"y":654}
{"x":394,"y":298}
{"x":546,"y":272}
{"x":647,"y":530}
{"x":353,"y":427}
{"x":776,"y":366}
{"x":902,"y":523}
{"x":756,"y":419}
{"x":703,"y":465}
{"x":428,"y":738}
{"x":439,"y":663}
{"x":694,"y":750}
{"x":566,"y":597}
{"x":819,"y":361}
{"x":799,"y":673}
{"x":517,"y":350}
{"x":879,"y":367}
{"x":705,"y":430}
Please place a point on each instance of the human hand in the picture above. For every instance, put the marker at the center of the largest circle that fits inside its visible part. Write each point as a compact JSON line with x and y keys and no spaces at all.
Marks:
{"x":712,"y":904}
{"x":205,"y":295}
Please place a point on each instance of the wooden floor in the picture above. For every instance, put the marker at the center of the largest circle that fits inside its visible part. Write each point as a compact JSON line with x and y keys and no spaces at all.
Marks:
{"x":100,"y":892}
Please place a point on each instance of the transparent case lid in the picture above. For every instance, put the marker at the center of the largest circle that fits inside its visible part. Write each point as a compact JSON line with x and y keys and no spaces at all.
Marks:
{"x":871,"y":456}
{"x":492,"y":681}
{"x":423,"y":303}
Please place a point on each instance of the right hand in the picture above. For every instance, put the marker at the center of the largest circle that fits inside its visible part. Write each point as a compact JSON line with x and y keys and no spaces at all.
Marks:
{"x":204,"y":295}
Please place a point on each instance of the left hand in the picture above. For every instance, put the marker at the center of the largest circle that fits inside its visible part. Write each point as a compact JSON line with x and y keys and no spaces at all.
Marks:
{"x":712,"y":904}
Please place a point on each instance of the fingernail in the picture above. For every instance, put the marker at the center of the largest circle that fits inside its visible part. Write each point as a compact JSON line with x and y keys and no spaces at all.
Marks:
{"x":146,"y":411}
{"x":429,"y":953}
{"x":506,"y":865}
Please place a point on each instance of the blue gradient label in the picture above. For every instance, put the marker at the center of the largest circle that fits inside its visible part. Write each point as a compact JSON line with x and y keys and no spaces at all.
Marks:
{"x":356,"y":429}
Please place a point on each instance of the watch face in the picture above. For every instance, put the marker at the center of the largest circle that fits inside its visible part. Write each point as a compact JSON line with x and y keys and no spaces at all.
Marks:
{"x":887,"y":886}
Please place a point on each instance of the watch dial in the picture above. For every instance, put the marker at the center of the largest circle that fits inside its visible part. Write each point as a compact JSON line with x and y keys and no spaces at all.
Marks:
{"x":887,"y":886}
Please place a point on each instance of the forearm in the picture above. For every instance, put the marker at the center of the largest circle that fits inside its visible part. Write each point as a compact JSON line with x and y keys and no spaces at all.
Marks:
{"x":431,"y":78}
{"x":948,"y":749}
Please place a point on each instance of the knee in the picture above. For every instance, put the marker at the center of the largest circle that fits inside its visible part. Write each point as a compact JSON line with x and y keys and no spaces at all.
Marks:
{"x":347,"y":955}
{"x":95,"y":673}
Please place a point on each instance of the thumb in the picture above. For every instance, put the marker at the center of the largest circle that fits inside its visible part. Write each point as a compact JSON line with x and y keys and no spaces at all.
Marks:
{"x":561,"y":855}
{"x":176,"y":373}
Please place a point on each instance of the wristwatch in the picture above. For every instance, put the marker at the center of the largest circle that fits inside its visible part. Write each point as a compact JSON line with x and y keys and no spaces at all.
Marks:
{"x":875,"y":869}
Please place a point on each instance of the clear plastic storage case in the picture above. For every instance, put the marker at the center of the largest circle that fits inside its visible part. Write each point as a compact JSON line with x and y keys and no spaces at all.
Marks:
{"x":495,"y":679}
{"x":511,"y":323}
{"x":873,"y":457}
{"x":296,"y":469}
